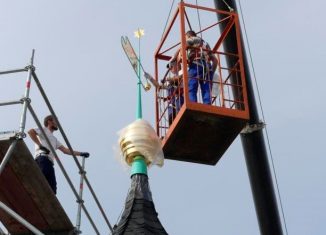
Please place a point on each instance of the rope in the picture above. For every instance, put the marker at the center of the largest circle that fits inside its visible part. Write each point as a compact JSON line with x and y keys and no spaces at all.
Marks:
{"x":166,"y":24}
{"x":167,"y":20}
{"x":228,"y":6}
{"x":199,"y":22}
{"x":262,"y":112}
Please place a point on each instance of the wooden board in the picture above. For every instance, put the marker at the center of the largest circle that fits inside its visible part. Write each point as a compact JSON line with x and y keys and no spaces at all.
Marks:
{"x":25,"y":190}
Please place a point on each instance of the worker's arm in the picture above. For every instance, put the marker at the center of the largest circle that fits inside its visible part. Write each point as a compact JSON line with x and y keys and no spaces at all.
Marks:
{"x":175,"y":78}
{"x":176,"y":56}
{"x":76,"y":153}
{"x":152,"y":80}
{"x":212,"y":57}
{"x":33,"y":134}
{"x":214,"y":62}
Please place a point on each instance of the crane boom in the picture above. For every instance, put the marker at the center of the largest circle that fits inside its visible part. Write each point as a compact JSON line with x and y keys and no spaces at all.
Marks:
{"x":254,"y":148}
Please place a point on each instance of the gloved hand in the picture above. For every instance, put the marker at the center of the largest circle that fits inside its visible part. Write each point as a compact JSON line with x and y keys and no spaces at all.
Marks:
{"x":84,"y":154}
{"x":44,"y":149}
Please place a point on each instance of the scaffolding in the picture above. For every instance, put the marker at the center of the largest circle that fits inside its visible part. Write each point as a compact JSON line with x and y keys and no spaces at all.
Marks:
{"x":18,"y":136}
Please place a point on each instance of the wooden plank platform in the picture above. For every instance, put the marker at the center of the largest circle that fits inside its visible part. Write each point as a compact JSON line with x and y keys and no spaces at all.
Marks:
{"x":25,"y":190}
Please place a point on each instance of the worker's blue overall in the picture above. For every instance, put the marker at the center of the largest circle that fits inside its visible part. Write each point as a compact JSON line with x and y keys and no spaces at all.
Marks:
{"x":46,"y":166}
{"x":175,"y":100}
{"x":199,"y":72}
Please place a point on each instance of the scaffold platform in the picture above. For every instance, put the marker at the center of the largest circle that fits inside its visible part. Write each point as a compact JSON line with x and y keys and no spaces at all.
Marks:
{"x":24,"y":189}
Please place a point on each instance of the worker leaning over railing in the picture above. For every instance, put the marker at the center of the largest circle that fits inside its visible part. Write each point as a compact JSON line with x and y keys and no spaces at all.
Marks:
{"x":43,"y":156}
{"x":173,"y":84}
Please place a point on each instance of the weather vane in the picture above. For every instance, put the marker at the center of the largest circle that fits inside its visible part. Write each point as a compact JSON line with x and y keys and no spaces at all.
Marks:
{"x":139,"y":143}
{"x":135,"y":62}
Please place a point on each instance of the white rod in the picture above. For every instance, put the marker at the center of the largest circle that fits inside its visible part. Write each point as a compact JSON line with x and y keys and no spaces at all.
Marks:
{"x":11,"y":102}
{"x":8,"y":155}
{"x":14,"y":71}
{"x":20,"y":219}
{"x":81,"y":201}
{"x":26,"y":96}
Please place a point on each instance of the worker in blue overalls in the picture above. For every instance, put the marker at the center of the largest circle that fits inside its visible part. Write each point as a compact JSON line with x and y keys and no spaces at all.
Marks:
{"x":202,"y":64}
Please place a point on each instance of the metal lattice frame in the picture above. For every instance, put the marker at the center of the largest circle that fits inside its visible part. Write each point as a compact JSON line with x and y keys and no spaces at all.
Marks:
{"x":232,"y":93}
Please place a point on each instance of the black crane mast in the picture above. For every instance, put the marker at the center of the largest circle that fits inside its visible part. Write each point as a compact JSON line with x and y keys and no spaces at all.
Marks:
{"x":254,"y":147}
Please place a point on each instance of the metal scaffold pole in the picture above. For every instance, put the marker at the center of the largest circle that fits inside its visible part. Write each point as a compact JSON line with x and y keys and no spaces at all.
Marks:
{"x":62,"y":168}
{"x":20,"y":219}
{"x":26,"y":96}
{"x":8,"y":155}
{"x":14,"y":71}
{"x":64,"y":136}
{"x":80,"y":200}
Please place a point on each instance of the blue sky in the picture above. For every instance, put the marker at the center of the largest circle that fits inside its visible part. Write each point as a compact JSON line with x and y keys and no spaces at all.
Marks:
{"x":92,"y":88}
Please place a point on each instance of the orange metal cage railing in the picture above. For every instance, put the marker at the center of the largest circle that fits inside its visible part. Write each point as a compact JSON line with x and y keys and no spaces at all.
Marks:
{"x":227,"y":85}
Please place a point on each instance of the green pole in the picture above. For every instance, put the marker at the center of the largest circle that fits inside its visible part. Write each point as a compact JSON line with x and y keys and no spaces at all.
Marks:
{"x":139,"y":165}
{"x":139,"y":106}
{"x":139,"y":103}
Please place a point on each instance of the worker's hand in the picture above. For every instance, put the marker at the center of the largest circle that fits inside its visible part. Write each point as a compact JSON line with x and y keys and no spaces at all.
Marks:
{"x":170,"y":79}
{"x":44,"y":149}
{"x":84,"y":154}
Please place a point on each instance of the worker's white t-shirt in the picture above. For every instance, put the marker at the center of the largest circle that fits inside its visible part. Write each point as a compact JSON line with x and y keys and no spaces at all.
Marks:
{"x":53,"y":140}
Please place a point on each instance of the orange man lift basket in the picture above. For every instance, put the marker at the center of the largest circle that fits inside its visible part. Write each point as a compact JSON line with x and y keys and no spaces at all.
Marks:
{"x":193,"y":131}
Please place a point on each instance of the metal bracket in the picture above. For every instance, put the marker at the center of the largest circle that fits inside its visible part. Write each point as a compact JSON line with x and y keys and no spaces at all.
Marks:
{"x":253,"y":127}
{"x":20,"y":135}
{"x":12,"y":135}
{"x":4,"y":135}
{"x":75,"y":231}
{"x":80,"y":201}
{"x":30,"y":67}
{"x":27,"y":100}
